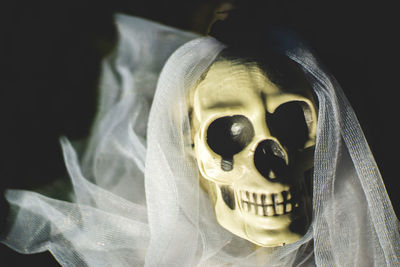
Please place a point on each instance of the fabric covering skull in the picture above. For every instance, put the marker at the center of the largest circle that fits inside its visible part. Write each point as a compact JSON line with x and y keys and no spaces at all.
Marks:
{"x":136,"y":198}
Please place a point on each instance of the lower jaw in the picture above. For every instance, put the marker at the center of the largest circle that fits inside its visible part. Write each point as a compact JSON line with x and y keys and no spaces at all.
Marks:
{"x":270,"y":237}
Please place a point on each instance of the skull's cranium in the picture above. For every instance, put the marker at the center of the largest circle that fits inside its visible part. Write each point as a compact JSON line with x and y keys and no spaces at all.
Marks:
{"x":253,"y":142}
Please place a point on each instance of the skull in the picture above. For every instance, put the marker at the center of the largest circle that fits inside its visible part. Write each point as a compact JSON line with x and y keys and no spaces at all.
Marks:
{"x":253,"y":140}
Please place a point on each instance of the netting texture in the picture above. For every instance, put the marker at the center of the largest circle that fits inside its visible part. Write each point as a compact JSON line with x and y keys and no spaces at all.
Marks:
{"x":136,"y":197}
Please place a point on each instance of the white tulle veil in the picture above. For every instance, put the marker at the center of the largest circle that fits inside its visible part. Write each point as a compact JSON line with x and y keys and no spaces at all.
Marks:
{"x":136,"y":198}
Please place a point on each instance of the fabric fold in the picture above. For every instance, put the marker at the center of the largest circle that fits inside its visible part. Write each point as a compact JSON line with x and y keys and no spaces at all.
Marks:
{"x":136,"y":198}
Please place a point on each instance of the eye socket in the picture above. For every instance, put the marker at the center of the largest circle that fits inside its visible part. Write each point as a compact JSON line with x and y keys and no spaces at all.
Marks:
{"x":229,"y":135}
{"x":289,"y":125}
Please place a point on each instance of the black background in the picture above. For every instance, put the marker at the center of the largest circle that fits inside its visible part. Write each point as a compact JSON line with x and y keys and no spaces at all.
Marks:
{"x":51,"y":51}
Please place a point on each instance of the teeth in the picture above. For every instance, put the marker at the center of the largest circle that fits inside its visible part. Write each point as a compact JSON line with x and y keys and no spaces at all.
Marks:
{"x":269,"y":211}
{"x":278,"y":198}
{"x":267,"y":204}
{"x":260,"y":210}
{"x":251,"y":198}
{"x":262,"y":199}
{"x":255,"y":198}
{"x":268,"y":200}
{"x":279,"y":209}
{"x":252,"y":208}
{"x":259,"y":199}
{"x":244,"y":196}
{"x":288,"y":207}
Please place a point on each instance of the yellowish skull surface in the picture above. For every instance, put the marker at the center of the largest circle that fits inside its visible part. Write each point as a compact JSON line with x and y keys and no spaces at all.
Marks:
{"x":253,"y":142}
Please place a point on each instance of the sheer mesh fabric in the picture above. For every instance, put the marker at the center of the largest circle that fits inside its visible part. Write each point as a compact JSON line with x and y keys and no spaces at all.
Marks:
{"x":136,"y":198}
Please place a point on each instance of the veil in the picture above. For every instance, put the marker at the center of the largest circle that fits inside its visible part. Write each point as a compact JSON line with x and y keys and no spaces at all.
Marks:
{"x":136,"y":198}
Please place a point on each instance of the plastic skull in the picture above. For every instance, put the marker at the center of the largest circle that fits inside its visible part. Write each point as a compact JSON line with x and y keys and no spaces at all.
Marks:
{"x":253,"y":139}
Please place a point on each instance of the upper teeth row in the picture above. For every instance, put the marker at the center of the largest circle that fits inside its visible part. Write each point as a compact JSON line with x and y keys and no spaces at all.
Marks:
{"x":265,"y":199}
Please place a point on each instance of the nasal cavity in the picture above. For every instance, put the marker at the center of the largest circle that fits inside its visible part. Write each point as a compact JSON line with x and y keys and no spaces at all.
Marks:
{"x":269,"y":159}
